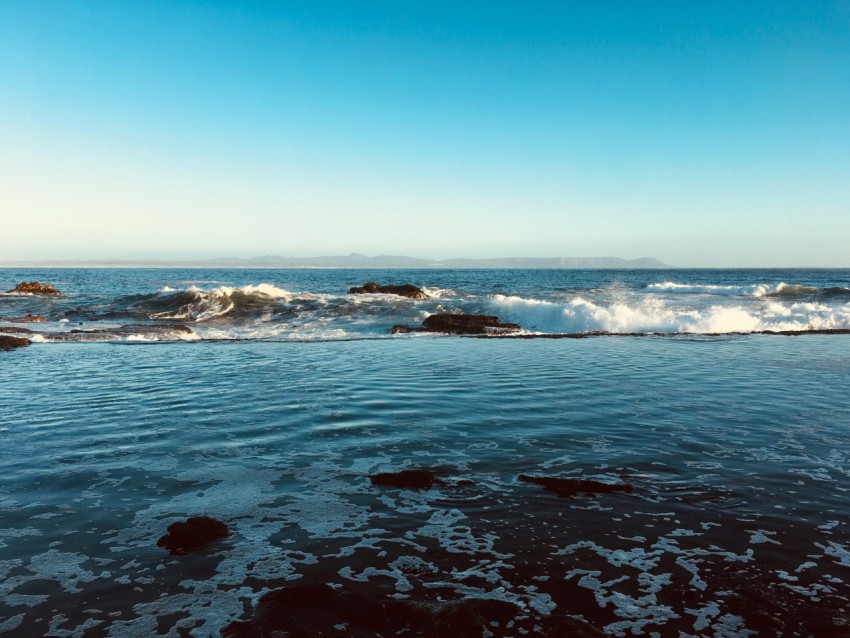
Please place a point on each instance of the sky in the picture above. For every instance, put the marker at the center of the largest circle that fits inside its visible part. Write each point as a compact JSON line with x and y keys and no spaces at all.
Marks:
{"x":704,"y":134}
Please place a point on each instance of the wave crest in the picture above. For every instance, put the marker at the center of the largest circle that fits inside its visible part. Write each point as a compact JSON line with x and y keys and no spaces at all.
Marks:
{"x":781,"y":289}
{"x":197,"y":305}
{"x":654,"y":316}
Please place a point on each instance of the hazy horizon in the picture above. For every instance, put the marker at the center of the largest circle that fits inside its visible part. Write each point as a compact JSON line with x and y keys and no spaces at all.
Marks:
{"x":309,"y":261}
{"x":703,"y":135}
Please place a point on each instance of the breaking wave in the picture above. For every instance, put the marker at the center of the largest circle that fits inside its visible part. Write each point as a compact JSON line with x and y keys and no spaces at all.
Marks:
{"x":197,"y":305}
{"x":655,"y":316}
{"x":185,"y":310}
{"x":781,"y":289}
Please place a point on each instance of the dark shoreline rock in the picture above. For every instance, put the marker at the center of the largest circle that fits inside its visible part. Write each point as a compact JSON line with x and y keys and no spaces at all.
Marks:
{"x":27,"y":318}
{"x":410,"y":479}
{"x":35,"y":288}
{"x":797,"y":333}
{"x":467,"y":324}
{"x":460,"y":325}
{"x":10,"y":343}
{"x":572,"y":486}
{"x":192,"y":534}
{"x":317,"y":609}
{"x":133,"y":328}
{"x":405,"y":290}
{"x":157,"y":331}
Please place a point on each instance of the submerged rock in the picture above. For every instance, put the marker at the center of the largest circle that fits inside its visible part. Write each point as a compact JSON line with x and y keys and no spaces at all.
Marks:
{"x":148,"y":331}
{"x":35,"y":288}
{"x":411,"y":479}
{"x":571,"y":486}
{"x":316,"y":609}
{"x":470,"y":617}
{"x":192,"y":534}
{"x":9,"y":343}
{"x":139,"y":328}
{"x":405,"y":290}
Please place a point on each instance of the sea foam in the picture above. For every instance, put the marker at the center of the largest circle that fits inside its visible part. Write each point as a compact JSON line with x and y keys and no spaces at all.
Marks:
{"x":656,"y":316}
{"x":749,"y":290}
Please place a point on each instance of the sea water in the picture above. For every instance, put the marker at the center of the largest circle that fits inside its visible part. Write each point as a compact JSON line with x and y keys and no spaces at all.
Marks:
{"x":286,"y":393}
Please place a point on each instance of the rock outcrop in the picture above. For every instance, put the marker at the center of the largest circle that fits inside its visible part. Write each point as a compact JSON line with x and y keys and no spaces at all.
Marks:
{"x":467,"y":324}
{"x":192,"y":534}
{"x":461,"y":325}
{"x":28,"y":318}
{"x":572,"y":486}
{"x":317,"y":609}
{"x":9,"y":343}
{"x":35,"y":288}
{"x":405,"y":290}
{"x":139,"y":328}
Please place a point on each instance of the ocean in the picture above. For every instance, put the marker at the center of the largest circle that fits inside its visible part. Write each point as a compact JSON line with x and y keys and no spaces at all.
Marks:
{"x":267,"y":399}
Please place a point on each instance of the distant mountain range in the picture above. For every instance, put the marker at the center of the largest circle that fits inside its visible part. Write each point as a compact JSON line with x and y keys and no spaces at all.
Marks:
{"x":356,"y":260}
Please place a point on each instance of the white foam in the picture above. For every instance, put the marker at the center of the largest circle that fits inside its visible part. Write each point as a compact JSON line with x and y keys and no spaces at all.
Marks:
{"x":837,"y":551}
{"x":437,"y":293}
{"x":650,"y":315}
{"x":749,"y":290}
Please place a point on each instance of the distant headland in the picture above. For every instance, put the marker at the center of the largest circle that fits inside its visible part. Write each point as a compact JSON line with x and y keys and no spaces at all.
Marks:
{"x":354,"y":260}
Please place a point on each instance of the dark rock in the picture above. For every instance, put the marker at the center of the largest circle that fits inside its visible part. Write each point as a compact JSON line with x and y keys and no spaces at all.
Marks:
{"x":35,"y":288}
{"x":16,"y":330}
{"x":155,"y":330}
{"x":27,"y":318}
{"x":8,"y":343}
{"x":797,"y":333}
{"x":314,"y":609}
{"x":137,"y":328}
{"x":192,"y":534}
{"x":469,"y":618}
{"x":405,"y":290}
{"x":571,"y":486}
{"x":412,"y":479}
{"x":467,"y":324}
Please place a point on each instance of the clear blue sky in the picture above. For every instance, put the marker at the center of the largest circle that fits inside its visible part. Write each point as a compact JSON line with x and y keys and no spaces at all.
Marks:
{"x":700,"y":133}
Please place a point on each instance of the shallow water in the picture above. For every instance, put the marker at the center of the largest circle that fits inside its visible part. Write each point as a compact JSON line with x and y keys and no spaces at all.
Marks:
{"x":737,"y":448}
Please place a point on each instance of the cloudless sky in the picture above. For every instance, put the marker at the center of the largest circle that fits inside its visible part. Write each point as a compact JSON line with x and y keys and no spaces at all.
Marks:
{"x":700,"y":133}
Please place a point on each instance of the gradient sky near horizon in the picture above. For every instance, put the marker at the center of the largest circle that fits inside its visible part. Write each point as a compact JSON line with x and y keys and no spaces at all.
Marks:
{"x":699,"y":133}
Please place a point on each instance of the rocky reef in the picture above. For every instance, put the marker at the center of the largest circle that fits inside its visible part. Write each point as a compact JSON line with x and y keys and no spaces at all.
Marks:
{"x":28,"y":318}
{"x":34,"y":288}
{"x":405,"y":290}
{"x":10,"y":343}
{"x":460,"y":325}
{"x":317,"y":609}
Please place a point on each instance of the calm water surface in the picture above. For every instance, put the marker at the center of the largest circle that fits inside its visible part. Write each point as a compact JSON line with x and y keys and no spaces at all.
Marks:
{"x":737,"y":448}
